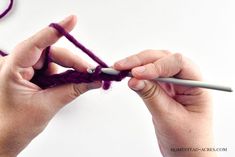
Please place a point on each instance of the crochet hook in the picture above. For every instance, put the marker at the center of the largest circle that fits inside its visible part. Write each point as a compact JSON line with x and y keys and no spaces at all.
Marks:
{"x":191,"y":83}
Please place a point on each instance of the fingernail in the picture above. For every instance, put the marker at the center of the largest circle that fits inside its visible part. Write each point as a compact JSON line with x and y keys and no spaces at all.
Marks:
{"x":68,"y":18}
{"x":94,"y":85}
{"x":122,"y":62}
{"x":140,"y":69}
{"x":139,"y":86}
{"x":89,"y":66}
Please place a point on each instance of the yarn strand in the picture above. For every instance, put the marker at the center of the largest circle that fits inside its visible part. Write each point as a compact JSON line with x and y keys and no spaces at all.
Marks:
{"x":72,"y":76}
{"x":5,"y":12}
{"x":44,"y":81}
{"x":63,"y":32}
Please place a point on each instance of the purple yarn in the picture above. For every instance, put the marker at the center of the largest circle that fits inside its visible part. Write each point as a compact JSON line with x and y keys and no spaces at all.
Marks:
{"x":63,"y":32}
{"x":4,"y":13}
{"x":70,"y":76}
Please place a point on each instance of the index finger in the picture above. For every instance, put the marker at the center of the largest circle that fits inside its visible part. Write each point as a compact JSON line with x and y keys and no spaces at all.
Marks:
{"x":173,"y":65}
{"x":142,"y":58}
{"x":27,"y":53}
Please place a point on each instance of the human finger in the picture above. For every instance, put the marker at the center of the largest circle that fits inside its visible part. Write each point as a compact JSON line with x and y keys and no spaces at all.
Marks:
{"x":139,"y":59}
{"x":59,"y":96}
{"x":28,"y":52}
{"x":68,"y":59}
{"x":171,"y":65}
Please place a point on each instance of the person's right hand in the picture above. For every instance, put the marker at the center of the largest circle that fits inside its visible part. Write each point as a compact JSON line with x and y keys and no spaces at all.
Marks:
{"x":182,"y":116}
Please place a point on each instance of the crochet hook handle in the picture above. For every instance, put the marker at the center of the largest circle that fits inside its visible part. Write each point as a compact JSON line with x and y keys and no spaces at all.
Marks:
{"x":191,"y":83}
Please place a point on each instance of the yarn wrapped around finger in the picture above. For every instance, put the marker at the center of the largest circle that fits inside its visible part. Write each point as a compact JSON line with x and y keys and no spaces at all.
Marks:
{"x":44,"y":81}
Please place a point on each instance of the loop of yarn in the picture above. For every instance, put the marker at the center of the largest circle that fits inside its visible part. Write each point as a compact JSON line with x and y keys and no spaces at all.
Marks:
{"x":70,"y":76}
{"x":4,"y":13}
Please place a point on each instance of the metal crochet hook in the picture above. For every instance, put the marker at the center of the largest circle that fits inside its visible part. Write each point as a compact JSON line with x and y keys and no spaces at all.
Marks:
{"x":191,"y":83}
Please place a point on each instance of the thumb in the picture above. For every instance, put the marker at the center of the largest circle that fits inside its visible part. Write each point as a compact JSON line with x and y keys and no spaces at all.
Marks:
{"x":155,"y":98}
{"x":57,"y":97}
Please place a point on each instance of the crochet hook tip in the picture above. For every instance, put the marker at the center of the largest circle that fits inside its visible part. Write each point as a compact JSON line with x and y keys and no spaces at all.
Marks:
{"x":109,"y":71}
{"x":90,"y":70}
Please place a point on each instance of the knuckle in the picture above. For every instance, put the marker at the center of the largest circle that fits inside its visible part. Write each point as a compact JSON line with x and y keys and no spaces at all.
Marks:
{"x":151,"y":70}
{"x":32,"y":41}
{"x":76,"y":91}
{"x":166,"y":52}
{"x":158,"y":68}
{"x":179,"y":58}
{"x":154,"y":54}
{"x":73,"y":64}
{"x":146,"y":52}
{"x":22,"y":45}
{"x":135,"y":58}
{"x":151,"y":92}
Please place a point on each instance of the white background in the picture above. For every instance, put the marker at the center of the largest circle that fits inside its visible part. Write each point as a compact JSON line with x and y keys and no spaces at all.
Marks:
{"x":115,"y":122}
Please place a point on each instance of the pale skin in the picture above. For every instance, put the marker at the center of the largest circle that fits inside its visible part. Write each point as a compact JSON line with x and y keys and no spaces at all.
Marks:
{"x":182,"y":116}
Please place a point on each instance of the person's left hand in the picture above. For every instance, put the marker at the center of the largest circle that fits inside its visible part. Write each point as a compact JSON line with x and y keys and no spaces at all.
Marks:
{"x":26,"y":109}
